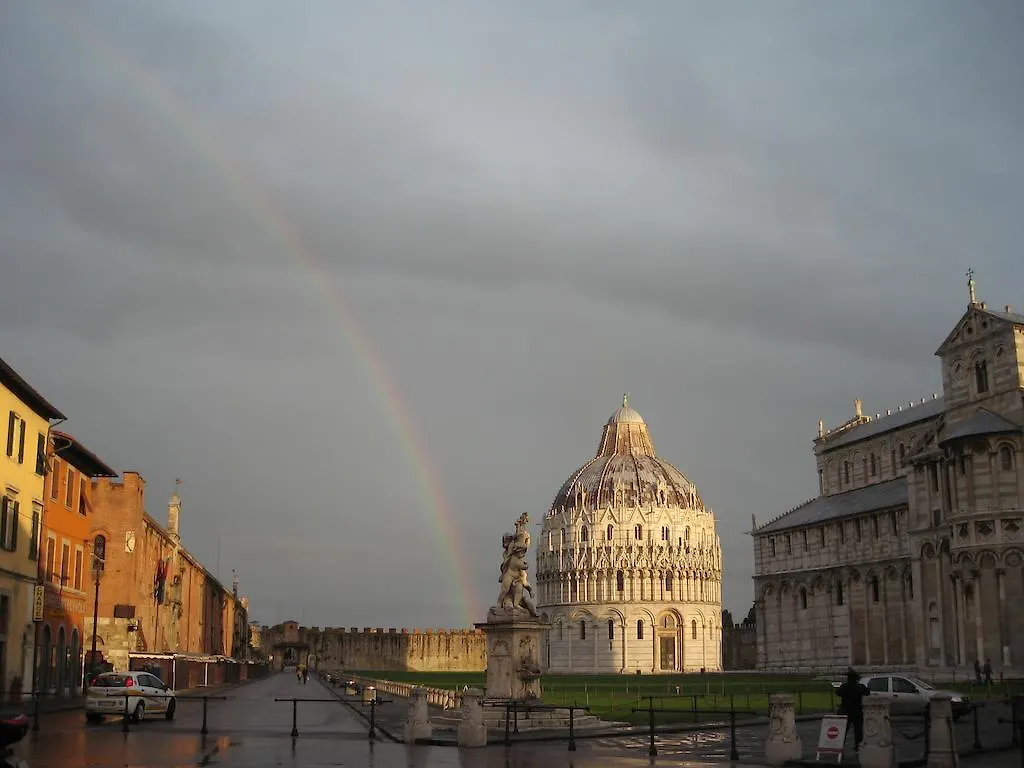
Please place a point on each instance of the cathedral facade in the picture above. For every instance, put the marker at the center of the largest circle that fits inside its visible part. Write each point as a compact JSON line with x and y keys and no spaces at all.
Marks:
{"x":629,"y":567}
{"x":912,"y":555}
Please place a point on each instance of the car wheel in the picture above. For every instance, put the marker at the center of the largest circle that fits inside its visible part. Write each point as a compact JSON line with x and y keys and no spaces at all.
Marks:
{"x":140,"y":712}
{"x":169,"y":714}
{"x":92,"y":717}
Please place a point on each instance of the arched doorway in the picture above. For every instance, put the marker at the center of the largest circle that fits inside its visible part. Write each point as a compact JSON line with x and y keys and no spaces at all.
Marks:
{"x":45,"y":653}
{"x":76,"y":663}
{"x":666,"y":635}
{"x":61,"y":661}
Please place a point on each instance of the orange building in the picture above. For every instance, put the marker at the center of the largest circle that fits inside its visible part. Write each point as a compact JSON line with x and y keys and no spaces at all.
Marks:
{"x":155,"y":597}
{"x":64,"y":563}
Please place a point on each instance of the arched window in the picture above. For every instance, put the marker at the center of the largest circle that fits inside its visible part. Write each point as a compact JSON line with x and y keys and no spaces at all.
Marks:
{"x":664,"y":533}
{"x":874,"y":589}
{"x":903,"y":454}
{"x":611,"y":629}
{"x":981,"y":376}
{"x":693,"y":628}
{"x":839,"y":593}
{"x":668,"y":582}
{"x":686,"y":537}
{"x":1006,"y":458}
{"x":803,"y":598}
{"x":620,"y":581}
{"x":640,"y":629}
{"x":610,"y":532}
{"x":583,"y":630}
{"x":874,"y":465}
{"x":894,"y":461}
{"x":583,"y":533}
{"x":846,"y":472}
{"x":638,"y":531}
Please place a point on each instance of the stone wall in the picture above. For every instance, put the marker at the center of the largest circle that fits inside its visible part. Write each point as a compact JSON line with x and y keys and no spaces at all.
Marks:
{"x":457,"y":650}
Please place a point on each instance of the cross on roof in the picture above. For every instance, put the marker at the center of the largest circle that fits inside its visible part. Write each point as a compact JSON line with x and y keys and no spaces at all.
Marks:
{"x":970,"y":285}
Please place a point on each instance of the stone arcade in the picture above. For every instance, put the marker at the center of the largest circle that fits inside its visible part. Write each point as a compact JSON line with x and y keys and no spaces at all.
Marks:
{"x":912,"y":553}
{"x":629,"y":568}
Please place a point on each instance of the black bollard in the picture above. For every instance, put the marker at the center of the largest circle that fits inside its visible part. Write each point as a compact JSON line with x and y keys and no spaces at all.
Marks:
{"x":734,"y":754}
{"x":977,"y":734}
{"x":124,"y":722}
{"x":373,"y":717}
{"x":35,"y":711}
{"x":295,"y":718}
{"x":652,"y":750}
{"x":515,"y":717}
{"x":1021,"y":724}
{"x":572,"y":729}
{"x":203,"y":729}
{"x":508,"y":720}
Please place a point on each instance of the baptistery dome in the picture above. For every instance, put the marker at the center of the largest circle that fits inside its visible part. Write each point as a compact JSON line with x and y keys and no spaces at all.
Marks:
{"x":629,"y":556}
{"x":625,"y":471}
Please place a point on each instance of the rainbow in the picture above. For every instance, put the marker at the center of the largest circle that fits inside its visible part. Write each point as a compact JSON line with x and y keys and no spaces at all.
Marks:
{"x":248,"y":189}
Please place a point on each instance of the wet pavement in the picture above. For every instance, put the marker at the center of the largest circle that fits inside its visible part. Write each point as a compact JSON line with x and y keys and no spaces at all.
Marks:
{"x":250,"y":728}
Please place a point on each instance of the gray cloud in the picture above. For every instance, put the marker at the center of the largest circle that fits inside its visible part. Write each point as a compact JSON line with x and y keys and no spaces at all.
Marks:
{"x":746,"y":218}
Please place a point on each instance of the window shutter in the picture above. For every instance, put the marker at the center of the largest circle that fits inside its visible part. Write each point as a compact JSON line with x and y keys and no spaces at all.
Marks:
{"x":41,"y":454}
{"x":10,"y":434}
{"x":21,"y":444}
{"x":14,"y":526}
{"x":3,"y":522}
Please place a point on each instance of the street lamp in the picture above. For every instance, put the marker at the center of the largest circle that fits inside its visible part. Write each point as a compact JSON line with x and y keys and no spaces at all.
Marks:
{"x":99,"y":557}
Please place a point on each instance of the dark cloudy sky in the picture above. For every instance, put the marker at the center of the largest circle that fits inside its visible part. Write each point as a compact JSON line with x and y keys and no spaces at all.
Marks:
{"x":746,"y":215}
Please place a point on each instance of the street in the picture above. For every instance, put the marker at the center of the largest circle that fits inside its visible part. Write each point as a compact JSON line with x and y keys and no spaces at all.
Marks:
{"x":249,"y":728}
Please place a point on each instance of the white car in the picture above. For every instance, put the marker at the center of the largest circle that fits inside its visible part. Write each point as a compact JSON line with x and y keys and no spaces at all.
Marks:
{"x":145,"y":694}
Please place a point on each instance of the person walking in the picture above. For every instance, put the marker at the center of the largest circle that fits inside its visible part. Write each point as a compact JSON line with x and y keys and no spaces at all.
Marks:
{"x":977,"y":672}
{"x":988,"y":671}
{"x":851,"y":703}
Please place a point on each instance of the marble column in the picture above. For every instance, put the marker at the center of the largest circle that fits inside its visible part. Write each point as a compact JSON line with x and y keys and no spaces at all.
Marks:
{"x":867,"y":622}
{"x":905,"y":609}
{"x":884,"y":587}
{"x":960,"y":616}
{"x":993,"y":477}
{"x":1003,"y":621}
{"x":979,"y":634}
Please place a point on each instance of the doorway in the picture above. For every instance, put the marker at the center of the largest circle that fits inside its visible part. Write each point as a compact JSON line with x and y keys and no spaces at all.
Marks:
{"x":667,"y":647}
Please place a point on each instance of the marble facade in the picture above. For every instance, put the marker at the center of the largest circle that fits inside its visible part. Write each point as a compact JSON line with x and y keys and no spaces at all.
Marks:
{"x":912,"y":555}
{"x":629,"y":566}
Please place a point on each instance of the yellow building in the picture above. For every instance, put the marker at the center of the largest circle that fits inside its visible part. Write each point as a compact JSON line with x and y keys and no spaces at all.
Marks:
{"x":25,"y":417}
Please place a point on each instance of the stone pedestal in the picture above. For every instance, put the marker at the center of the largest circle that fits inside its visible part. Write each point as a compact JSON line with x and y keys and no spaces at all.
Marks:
{"x":417,"y":724}
{"x":878,"y":750}
{"x":783,"y":741}
{"x":514,"y":642}
{"x":472,"y":732}
{"x":941,"y":744}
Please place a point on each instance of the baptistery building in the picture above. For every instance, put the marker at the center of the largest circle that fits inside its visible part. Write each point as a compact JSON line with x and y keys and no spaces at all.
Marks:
{"x":629,"y":567}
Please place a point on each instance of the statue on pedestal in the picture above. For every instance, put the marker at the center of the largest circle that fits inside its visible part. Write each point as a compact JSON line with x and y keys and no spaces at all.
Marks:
{"x":516,"y":593}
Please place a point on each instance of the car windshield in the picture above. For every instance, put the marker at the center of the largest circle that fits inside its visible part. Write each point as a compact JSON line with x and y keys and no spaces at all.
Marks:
{"x":921,"y":683}
{"x":111,"y":681}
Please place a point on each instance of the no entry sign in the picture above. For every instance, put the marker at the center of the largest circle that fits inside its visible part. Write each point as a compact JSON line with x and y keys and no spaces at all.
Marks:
{"x":832,"y":737}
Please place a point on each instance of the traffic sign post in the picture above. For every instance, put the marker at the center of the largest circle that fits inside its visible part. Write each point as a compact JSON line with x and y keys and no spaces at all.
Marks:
{"x":832,"y":737}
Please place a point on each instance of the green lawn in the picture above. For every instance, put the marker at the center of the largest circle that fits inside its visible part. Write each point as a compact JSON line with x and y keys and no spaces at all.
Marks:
{"x":700,"y":698}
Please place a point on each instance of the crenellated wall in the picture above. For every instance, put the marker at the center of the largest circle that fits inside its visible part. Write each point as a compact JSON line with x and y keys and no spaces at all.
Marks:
{"x":431,"y":650}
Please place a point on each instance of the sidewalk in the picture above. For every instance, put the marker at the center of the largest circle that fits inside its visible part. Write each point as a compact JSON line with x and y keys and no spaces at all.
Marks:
{"x":70,"y":704}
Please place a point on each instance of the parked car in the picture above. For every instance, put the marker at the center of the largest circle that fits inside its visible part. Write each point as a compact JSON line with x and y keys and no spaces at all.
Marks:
{"x":145,"y":694}
{"x":910,"y":695}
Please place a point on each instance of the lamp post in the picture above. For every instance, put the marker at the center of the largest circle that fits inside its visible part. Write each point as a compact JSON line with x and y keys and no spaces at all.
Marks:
{"x":99,"y":555}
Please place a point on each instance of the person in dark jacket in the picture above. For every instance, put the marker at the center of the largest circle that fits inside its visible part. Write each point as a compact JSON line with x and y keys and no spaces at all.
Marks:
{"x":851,"y":698}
